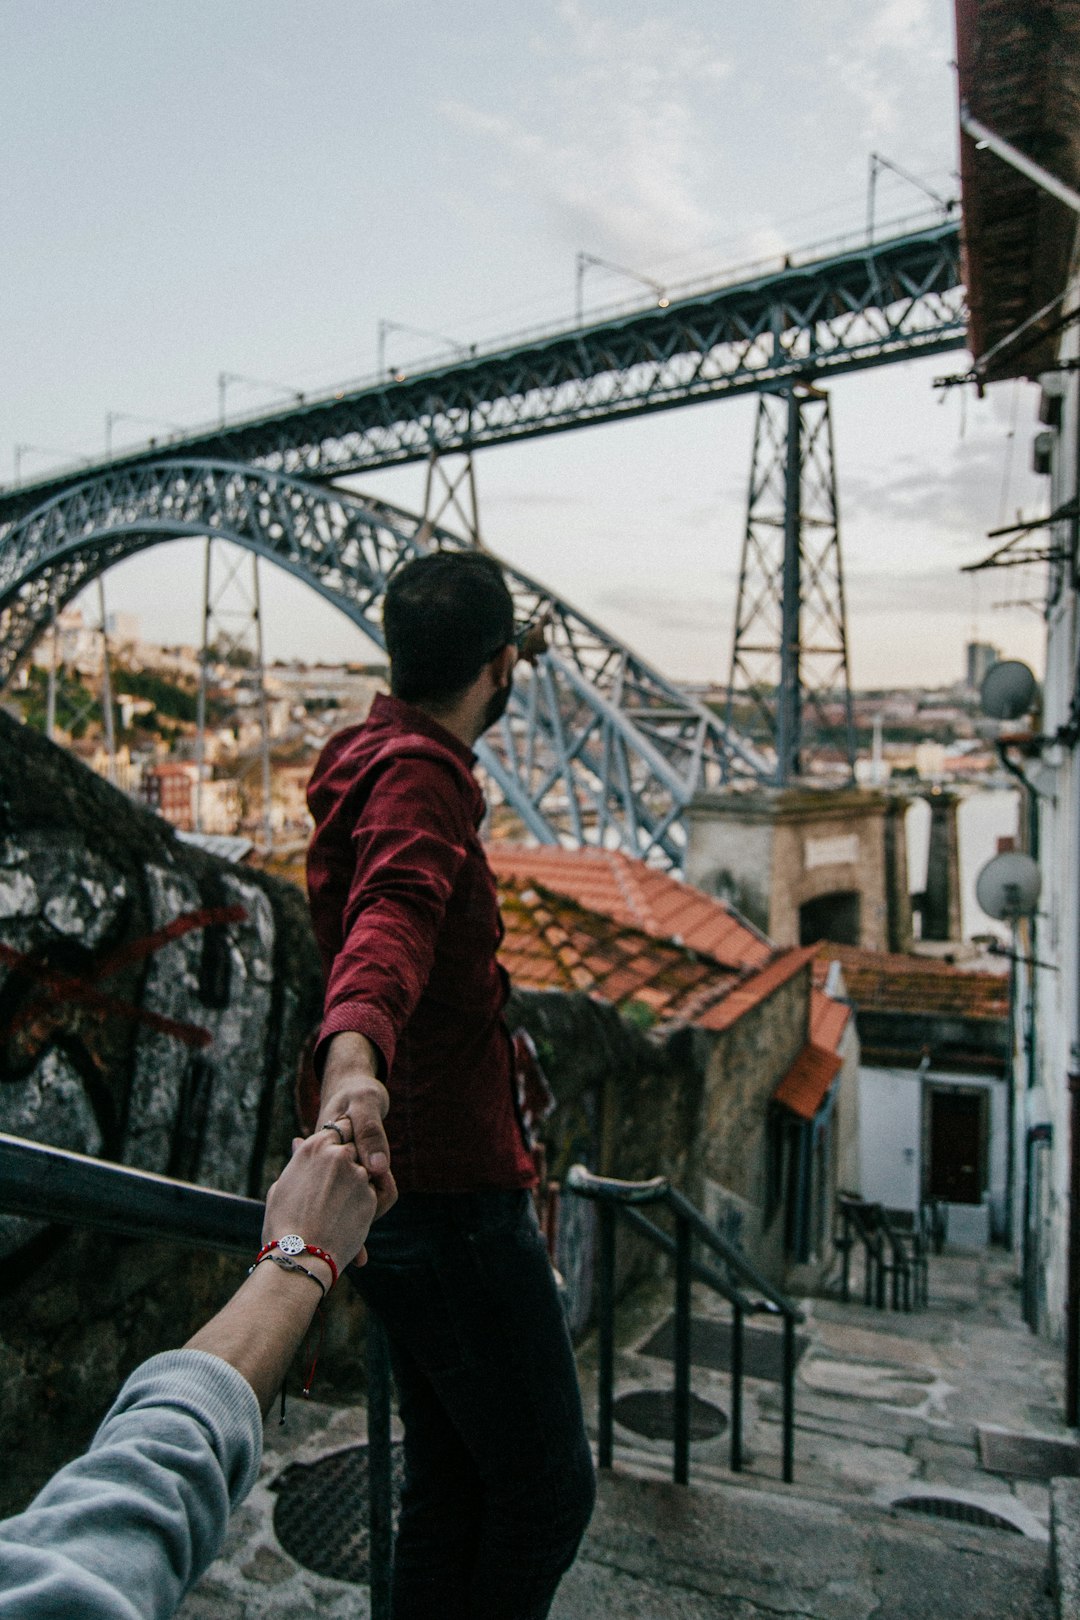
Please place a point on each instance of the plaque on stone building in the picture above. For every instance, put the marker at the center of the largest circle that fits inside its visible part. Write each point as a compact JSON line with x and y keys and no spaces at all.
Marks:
{"x":840,"y":850}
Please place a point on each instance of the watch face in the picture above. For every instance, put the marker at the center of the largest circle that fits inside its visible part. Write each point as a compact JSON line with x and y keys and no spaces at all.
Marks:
{"x":291,"y":1244}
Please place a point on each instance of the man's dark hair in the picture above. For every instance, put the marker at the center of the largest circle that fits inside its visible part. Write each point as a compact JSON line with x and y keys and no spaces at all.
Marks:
{"x":445,"y":616}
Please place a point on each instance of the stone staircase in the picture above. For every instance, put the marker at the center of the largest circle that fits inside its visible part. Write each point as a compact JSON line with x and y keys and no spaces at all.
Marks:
{"x":710,"y":1552}
{"x":890,"y":1408}
{"x":887,"y":1406}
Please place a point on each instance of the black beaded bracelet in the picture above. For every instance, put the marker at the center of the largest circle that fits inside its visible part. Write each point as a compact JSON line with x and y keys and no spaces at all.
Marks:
{"x":291,"y":1265}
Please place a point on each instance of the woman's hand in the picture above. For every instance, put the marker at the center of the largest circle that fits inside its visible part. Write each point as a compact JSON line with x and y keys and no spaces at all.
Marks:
{"x":326,"y":1196}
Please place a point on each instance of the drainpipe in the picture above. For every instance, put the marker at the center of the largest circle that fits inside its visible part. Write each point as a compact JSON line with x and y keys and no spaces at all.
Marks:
{"x":1025,"y":1023}
{"x":1072,"y":1303}
{"x":803,"y":1214}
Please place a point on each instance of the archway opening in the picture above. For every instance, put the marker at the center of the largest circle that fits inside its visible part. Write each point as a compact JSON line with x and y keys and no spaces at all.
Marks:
{"x":835,"y":916}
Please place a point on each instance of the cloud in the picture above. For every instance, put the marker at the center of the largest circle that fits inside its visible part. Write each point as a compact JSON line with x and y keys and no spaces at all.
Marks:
{"x":944,"y":498}
{"x":887,"y":48}
{"x":531,"y":498}
{"x":664,"y":611}
{"x":923,"y":590}
{"x":976,"y":486}
{"x":615,"y":146}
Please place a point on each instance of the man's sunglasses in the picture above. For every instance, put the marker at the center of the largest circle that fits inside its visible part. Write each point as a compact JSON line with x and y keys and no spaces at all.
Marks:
{"x":530,"y":639}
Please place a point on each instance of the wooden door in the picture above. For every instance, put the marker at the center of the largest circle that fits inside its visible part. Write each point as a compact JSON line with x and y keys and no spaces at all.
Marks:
{"x":957,"y":1146}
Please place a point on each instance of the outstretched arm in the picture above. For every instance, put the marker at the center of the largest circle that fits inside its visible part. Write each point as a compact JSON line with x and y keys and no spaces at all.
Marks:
{"x":408,"y":848}
{"x":124,"y":1531}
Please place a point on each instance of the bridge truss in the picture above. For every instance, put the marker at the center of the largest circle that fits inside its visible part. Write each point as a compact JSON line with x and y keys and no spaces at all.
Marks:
{"x":596,"y":746}
{"x":883,"y":302}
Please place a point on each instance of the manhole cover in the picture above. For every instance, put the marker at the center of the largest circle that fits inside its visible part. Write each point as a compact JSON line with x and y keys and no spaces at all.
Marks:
{"x":947,"y":1507}
{"x":331,"y":1491}
{"x":1029,"y":1456}
{"x":710,"y":1346}
{"x":651,"y":1412}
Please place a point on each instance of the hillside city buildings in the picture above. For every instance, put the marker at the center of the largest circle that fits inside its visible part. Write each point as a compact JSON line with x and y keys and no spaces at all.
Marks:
{"x":905,"y":735}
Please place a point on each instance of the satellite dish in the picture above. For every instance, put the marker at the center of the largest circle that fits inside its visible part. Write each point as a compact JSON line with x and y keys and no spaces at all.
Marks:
{"x":1008,"y":887}
{"x":1008,"y":690}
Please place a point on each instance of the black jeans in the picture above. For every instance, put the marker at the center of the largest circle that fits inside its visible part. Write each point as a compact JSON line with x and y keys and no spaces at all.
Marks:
{"x":499,"y":1483}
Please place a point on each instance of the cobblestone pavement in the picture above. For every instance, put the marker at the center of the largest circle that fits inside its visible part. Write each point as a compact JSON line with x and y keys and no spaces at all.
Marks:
{"x":886,"y":1404}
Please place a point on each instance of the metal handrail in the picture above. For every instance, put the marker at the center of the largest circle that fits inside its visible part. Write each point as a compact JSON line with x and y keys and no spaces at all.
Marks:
{"x":71,"y":1189}
{"x":852,"y":1214}
{"x":625,"y":1198}
{"x":889,"y":1251}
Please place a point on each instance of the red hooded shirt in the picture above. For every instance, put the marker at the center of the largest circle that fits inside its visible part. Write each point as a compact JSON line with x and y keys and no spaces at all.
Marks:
{"x":406,"y":917}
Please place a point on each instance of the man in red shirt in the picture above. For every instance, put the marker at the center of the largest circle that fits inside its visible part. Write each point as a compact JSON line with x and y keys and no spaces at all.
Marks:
{"x":413,"y":1049}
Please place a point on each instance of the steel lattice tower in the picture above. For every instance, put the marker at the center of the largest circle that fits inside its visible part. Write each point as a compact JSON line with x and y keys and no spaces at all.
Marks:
{"x":232,"y":635}
{"x":789,"y":661}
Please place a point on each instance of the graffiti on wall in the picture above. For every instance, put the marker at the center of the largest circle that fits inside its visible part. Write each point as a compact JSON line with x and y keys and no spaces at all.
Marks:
{"x":145,"y":1016}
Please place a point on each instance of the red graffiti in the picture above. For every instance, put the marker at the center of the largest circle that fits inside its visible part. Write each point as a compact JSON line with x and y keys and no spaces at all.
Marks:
{"x":80,"y":990}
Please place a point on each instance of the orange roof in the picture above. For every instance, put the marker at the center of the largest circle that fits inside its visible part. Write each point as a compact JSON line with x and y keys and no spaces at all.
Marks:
{"x":638,"y":896}
{"x":889,"y":982}
{"x":806,"y":1084}
{"x":552,"y":943}
{"x":598,"y":921}
{"x":828,"y":1019}
{"x":750,"y":992}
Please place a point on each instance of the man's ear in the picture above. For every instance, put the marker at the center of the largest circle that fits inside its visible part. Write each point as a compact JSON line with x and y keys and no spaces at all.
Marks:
{"x":502,"y":665}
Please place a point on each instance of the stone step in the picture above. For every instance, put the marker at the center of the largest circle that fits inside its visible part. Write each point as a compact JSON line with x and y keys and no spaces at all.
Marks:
{"x":657,"y":1551}
{"x":814,"y":1484}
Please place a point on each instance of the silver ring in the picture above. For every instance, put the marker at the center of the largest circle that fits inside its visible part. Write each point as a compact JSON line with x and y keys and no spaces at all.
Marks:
{"x":332,"y":1125}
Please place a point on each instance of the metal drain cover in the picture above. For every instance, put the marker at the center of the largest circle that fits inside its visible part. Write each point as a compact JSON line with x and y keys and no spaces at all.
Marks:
{"x":948,"y":1507}
{"x":1029,"y":1456}
{"x":332,"y":1490}
{"x":710,"y":1346}
{"x":651,"y":1413}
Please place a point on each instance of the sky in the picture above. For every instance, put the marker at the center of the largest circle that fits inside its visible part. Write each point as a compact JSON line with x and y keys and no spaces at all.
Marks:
{"x":225,"y":185}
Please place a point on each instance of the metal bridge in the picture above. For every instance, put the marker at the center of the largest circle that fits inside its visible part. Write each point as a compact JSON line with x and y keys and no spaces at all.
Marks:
{"x":598,"y":746}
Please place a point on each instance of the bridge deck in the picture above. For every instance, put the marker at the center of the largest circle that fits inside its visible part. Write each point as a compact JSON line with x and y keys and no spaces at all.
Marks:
{"x":868,"y":305}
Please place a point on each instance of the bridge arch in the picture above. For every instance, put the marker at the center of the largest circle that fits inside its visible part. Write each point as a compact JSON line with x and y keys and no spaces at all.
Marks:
{"x":596,"y":746}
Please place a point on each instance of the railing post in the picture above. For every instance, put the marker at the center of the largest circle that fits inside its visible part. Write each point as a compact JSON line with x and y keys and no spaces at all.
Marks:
{"x":789,"y":1400}
{"x":737,"y":1318}
{"x":380,"y":1501}
{"x":682,"y":1351}
{"x":614,"y":1197}
{"x":605,"y":1304}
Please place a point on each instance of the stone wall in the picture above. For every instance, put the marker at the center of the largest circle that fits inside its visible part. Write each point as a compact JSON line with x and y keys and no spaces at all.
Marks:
{"x":153,"y":1002}
{"x":746,"y":1064}
{"x":628,"y":1104}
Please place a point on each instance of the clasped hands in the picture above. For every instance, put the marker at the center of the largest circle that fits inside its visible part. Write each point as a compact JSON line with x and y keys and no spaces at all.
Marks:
{"x":353,"y":1104}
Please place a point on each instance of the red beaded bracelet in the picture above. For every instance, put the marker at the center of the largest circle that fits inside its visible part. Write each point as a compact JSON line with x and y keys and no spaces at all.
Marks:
{"x":292,"y":1245}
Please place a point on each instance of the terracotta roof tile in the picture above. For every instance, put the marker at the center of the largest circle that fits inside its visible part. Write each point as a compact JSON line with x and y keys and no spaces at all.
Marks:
{"x":638,"y":896}
{"x":806,"y":1084}
{"x":828,"y":1019}
{"x":750,"y":992}
{"x":888,"y":982}
{"x":599,"y":947}
{"x":554,"y":941}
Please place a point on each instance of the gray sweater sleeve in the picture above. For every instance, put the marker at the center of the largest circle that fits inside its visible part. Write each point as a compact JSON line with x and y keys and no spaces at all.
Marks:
{"x":126,"y":1529}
